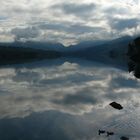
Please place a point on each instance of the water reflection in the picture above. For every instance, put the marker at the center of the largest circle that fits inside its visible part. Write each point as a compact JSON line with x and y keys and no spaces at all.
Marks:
{"x":67,"y":101}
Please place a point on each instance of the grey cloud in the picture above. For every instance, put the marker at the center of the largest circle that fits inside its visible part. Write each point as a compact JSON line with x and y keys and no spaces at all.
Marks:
{"x":83,"y":18}
{"x":23,"y":99}
{"x":118,"y":83}
{"x":115,"y":10}
{"x":3,"y":92}
{"x":121,"y":24}
{"x":21,"y":8}
{"x":51,"y":26}
{"x":75,"y":78}
{"x":121,"y":82}
{"x":69,"y":28}
{"x":35,"y":30}
{"x":136,"y":1}
{"x":79,"y":10}
{"x":29,"y":10}
{"x":3,"y":18}
{"x":84,"y":29}
{"x":84,"y":96}
{"x":26,"y":76}
{"x":25,"y":33}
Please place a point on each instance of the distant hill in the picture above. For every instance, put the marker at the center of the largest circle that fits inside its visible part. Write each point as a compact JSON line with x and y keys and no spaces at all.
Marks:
{"x":36,"y":45}
{"x":14,"y":55}
{"x":93,"y":44}
{"x":111,"y":48}
{"x":113,"y":51}
{"x":85,"y":44}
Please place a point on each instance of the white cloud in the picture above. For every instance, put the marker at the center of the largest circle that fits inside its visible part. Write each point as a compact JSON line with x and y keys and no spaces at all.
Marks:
{"x":82,"y":13}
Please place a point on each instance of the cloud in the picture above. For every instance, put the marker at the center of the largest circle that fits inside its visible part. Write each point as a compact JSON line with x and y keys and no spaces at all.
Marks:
{"x":68,"y":22}
{"x":123,"y":82}
{"x":78,"y":10}
{"x":26,"y":76}
{"x":2,"y":18}
{"x":25,"y":33}
{"x":112,"y":10}
{"x":122,"y":24}
{"x":69,"y":28}
{"x":81,"y":97}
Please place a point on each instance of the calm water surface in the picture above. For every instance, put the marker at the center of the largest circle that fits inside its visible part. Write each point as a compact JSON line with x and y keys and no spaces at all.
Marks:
{"x":67,"y":101}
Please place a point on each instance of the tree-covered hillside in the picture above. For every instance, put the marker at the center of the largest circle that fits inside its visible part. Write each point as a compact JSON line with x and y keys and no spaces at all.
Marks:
{"x":12,"y":55}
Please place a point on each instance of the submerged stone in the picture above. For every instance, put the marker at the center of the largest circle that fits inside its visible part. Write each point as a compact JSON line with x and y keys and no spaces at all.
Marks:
{"x":116,"y":105}
{"x":110,"y":133}
{"x":101,"y":132}
{"x":124,"y":138}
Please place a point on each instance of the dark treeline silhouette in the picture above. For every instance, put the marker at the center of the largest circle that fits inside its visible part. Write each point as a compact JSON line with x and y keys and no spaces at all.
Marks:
{"x":13,"y":55}
{"x":134,"y":57}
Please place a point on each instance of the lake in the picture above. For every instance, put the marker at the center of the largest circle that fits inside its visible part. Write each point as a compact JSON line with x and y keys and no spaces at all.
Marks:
{"x":68,"y":100}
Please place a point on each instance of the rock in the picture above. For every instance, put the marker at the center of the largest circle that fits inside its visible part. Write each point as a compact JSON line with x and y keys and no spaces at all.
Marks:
{"x":116,"y":105}
{"x":101,"y":132}
{"x":124,"y":138}
{"x":110,"y":133}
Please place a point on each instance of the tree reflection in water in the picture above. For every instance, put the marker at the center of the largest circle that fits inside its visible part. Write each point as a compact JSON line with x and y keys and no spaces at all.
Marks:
{"x":134,"y":57}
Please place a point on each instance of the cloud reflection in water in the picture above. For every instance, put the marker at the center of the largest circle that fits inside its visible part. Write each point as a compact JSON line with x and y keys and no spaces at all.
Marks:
{"x":67,"y":102}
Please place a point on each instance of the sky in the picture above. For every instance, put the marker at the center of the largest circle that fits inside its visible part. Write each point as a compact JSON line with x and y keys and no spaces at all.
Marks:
{"x":68,"y":22}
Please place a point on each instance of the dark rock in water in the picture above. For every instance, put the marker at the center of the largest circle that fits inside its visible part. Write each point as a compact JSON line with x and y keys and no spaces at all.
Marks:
{"x":101,"y":132}
{"x":116,"y":105}
{"x":110,"y":133}
{"x":124,"y":138}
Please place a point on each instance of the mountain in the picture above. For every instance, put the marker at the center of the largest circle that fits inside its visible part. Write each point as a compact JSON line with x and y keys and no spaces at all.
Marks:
{"x":94,"y":45}
{"x":36,"y":45}
{"x":85,"y":44}
{"x":14,"y":55}
{"x":111,"y":52}
{"x":111,"y":48}
{"x":54,"y":46}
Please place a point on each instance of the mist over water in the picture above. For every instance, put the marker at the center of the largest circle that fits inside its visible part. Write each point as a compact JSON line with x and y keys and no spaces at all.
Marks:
{"x":67,"y":100}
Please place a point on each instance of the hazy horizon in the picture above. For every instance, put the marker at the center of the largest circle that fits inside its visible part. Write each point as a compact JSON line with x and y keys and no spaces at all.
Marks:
{"x":98,"y":41}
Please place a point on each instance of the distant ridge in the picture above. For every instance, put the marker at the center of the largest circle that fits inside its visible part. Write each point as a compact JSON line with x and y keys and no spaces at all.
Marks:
{"x":105,"y":51}
{"x":60,"y":47}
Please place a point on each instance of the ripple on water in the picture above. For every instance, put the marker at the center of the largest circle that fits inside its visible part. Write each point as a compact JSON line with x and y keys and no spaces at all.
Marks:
{"x":125,"y":124}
